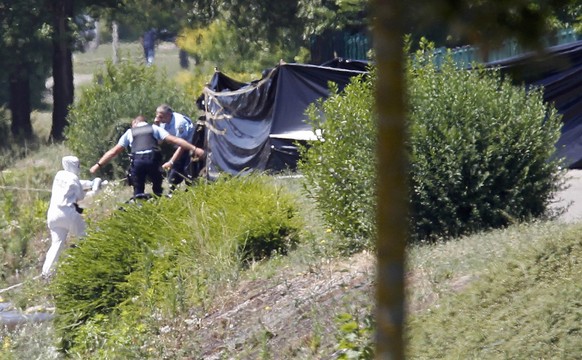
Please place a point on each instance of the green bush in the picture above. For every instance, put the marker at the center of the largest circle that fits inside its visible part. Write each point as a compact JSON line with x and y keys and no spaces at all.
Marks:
{"x":480,"y":153}
{"x":480,"y":150}
{"x":118,"y":94}
{"x":340,"y":167}
{"x":167,"y":255}
{"x":355,"y":337}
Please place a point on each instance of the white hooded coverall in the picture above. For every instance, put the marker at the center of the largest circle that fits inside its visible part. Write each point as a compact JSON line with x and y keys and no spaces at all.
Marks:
{"x":62,"y":218}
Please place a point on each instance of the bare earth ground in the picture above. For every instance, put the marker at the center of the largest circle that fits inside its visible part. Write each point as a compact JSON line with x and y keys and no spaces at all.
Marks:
{"x":287,"y":316}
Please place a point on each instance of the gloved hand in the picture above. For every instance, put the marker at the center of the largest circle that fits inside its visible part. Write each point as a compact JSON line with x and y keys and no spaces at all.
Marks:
{"x":197,"y":154}
{"x":96,"y":184}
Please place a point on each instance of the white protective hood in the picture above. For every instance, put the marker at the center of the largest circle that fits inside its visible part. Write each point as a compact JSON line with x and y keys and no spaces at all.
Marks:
{"x":71,"y":164}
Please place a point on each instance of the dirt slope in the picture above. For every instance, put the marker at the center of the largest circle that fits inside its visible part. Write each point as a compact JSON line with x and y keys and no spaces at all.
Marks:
{"x":290,"y":316}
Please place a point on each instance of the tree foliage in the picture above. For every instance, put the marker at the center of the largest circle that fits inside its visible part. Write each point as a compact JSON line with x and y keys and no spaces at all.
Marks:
{"x":208,"y":45}
{"x":321,"y":15}
{"x":25,"y":42}
{"x":489,"y":23}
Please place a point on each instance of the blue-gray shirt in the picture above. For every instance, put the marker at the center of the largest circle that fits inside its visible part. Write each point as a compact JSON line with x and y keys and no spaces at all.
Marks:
{"x":180,"y":126}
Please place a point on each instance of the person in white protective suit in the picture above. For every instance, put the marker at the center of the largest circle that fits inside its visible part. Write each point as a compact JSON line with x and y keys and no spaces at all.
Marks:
{"x":64,"y":215}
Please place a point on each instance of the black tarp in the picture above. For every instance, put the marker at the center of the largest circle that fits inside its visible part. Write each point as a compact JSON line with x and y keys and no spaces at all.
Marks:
{"x":559,"y":70}
{"x":256,"y":125}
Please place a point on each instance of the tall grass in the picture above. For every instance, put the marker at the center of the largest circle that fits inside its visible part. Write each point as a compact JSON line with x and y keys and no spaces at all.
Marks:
{"x":168,"y":255}
{"x":519,"y":296}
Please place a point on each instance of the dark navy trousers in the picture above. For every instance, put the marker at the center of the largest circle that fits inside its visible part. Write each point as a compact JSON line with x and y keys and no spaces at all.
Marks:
{"x":144,"y":167}
{"x":180,"y":171}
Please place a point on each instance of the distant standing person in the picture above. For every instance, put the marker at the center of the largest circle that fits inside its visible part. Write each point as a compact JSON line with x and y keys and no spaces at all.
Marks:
{"x":144,"y":139}
{"x":149,"y":45}
{"x":181,"y":126}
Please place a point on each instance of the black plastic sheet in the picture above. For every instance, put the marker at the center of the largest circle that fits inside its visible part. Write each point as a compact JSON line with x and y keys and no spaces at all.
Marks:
{"x":257,"y":125}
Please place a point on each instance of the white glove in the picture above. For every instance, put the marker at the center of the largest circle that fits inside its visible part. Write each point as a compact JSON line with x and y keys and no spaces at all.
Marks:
{"x":96,"y":184}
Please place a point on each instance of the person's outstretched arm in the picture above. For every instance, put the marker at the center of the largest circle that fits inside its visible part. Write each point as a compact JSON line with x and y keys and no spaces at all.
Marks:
{"x":110,"y":154}
{"x":183,"y":145}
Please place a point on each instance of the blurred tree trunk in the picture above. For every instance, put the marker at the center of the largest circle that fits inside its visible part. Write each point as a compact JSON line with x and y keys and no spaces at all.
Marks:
{"x":480,"y":23}
{"x":114,"y":41}
{"x":19,"y":103}
{"x":392,"y":208}
{"x":63,"y":88}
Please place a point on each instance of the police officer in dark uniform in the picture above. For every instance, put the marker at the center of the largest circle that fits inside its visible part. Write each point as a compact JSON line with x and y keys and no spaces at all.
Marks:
{"x":144,"y":139}
{"x":146,"y":159}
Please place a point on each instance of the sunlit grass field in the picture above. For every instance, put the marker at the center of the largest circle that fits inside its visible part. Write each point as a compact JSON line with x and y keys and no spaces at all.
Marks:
{"x":166,"y":57}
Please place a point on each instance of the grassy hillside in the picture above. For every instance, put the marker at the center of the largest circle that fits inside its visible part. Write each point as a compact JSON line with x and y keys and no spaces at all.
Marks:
{"x":506,"y":294}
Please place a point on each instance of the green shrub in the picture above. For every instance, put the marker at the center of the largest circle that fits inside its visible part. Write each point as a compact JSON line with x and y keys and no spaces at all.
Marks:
{"x":167,"y":255}
{"x":355,"y":338}
{"x":118,"y":94}
{"x":340,"y":167}
{"x":480,"y":150}
{"x":480,"y":154}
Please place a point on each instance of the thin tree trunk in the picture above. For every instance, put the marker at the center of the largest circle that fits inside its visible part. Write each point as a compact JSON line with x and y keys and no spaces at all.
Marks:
{"x":63,"y":88}
{"x":392,"y":210}
{"x":115,"y":41}
{"x":19,"y":104}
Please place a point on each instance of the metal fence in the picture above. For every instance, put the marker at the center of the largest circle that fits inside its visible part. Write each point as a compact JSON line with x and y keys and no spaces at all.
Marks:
{"x":344,"y":44}
{"x":356,"y":46}
{"x":466,"y":55}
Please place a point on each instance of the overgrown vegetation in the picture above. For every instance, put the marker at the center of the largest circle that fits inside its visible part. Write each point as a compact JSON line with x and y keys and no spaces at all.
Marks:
{"x":480,"y":153}
{"x":136,"y":291}
{"x":481,"y":149}
{"x":176,"y":253}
